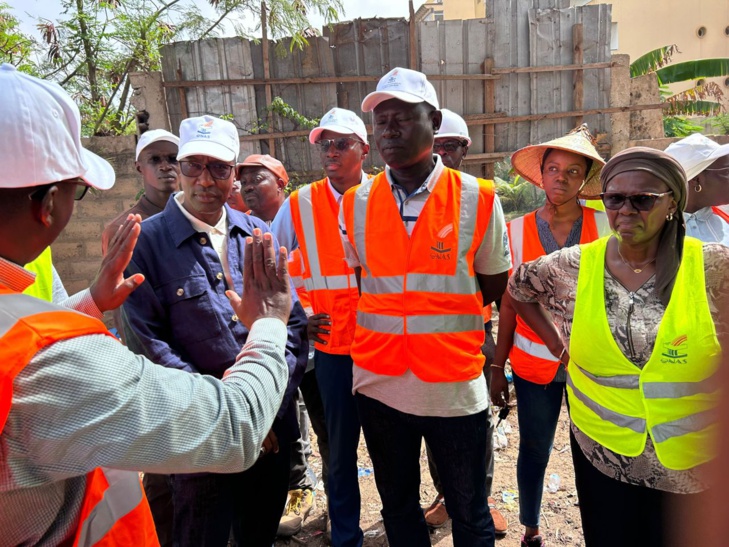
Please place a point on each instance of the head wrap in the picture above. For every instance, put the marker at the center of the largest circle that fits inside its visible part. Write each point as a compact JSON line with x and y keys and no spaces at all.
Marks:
{"x":664,"y":167}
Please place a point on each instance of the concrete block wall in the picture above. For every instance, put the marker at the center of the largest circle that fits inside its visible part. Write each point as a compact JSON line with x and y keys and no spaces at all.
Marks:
{"x":77,"y":252}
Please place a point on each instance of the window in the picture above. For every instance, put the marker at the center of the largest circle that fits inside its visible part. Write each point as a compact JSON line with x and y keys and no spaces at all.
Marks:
{"x":614,"y":37}
{"x":438,"y":15}
{"x":701,"y":32}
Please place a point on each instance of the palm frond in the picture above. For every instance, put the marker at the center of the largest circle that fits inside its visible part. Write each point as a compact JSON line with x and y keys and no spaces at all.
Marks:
{"x":653,"y":60}
{"x":692,"y":70}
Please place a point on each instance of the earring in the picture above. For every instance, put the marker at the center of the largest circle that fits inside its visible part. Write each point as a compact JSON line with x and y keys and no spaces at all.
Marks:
{"x":698,"y":188}
{"x":669,"y":217}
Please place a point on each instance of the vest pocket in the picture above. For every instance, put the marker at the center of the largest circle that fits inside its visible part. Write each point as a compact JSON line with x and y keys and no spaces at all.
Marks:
{"x":191,"y":314}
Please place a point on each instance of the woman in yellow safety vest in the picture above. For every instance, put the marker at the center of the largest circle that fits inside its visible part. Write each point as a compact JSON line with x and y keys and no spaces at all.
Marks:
{"x":567,"y":169}
{"x":636,"y":317}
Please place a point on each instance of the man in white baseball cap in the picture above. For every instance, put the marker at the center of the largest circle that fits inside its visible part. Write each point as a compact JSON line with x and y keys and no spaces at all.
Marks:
{"x":191,"y":254}
{"x":707,"y":173}
{"x":76,"y":406}
{"x":428,"y":244}
{"x":452,"y":140}
{"x":308,"y":221}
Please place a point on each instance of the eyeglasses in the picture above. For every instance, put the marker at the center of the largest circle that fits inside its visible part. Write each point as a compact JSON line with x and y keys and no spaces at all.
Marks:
{"x":341,"y":144}
{"x":217,"y":169}
{"x":81,"y":188}
{"x":448,"y":146}
{"x":640,"y":202}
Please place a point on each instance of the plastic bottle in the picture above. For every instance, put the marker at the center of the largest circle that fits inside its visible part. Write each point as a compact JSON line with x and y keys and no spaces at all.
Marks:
{"x":553,"y":483}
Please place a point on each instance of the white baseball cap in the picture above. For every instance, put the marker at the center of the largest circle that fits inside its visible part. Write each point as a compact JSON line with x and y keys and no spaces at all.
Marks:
{"x":208,"y":136}
{"x":453,"y":126}
{"x":152,"y":136}
{"x":696,"y":152}
{"x":339,"y":120}
{"x":41,"y":128}
{"x":404,"y":84}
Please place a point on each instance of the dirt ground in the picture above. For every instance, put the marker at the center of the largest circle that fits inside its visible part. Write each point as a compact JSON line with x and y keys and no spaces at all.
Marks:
{"x":560,"y":522}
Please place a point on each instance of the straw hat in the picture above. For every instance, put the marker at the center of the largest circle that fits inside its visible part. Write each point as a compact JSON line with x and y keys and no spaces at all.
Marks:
{"x":527,"y":162}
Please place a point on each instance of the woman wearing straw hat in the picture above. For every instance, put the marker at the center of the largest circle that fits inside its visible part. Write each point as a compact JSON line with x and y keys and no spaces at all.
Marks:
{"x":635,"y":318}
{"x":567,"y":169}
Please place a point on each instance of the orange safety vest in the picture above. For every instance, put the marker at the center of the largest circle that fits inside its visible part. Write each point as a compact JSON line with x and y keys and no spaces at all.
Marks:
{"x":718,"y":211}
{"x":530,"y":359}
{"x":421,"y":305}
{"x":296,"y":273}
{"x":330,"y":282}
{"x":114,"y":511}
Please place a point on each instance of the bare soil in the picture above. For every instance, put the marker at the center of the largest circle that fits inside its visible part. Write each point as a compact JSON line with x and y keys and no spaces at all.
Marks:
{"x":560,"y":519}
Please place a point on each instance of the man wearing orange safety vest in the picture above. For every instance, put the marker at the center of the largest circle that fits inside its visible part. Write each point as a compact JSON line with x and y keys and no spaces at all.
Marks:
{"x":308,"y":221}
{"x":79,"y":413}
{"x":429,"y":245}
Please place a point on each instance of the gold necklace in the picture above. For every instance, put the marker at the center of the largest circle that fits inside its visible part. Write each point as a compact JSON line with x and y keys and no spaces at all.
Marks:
{"x":635,"y":270}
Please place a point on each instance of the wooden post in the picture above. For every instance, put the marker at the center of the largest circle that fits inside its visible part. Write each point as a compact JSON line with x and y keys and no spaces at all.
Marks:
{"x":181,"y":93}
{"x":267,"y":75}
{"x":413,"y":45}
{"x":577,"y":75}
{"x":489,"y":107}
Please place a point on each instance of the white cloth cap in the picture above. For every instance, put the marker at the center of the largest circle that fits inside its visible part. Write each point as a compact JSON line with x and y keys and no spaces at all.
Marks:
{"x":339,"y":120}
{"x":152,"y":136}
{"x":404,"y":84}
{"x":696,"y":152}
{"x":41,"y":128}
{"x":453,"y":126}
{"x":209,"y":136}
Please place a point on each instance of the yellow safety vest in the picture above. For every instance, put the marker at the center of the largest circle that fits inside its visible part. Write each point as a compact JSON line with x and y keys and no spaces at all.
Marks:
{"x":673,"y":396}
{"x":42,"y":266}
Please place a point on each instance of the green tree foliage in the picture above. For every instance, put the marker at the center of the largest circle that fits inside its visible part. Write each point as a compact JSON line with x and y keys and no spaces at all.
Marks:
{"x":15,"y":48}
{"x":518,"y":196}
{"x":95,"y":44}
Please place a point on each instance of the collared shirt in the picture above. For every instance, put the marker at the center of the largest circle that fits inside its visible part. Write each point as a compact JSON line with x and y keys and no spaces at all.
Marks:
{"x":283,"y":224}
{"x":408,"y":393}
{"x":707,"y":226}
{"x":88,"y":401}
{"x":180,"y":317}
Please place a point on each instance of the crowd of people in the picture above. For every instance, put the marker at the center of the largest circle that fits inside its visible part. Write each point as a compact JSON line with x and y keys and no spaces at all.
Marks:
{"x":356,"y":304}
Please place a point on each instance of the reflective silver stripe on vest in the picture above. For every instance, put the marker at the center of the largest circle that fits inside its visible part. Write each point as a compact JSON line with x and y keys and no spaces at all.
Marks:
{"x":516,"y":237}
{"x":621,"y":420}
{"x":122,"y":496}
{"x":376,"y":322}
{"x":297,"y":281}
{"x":22,"y":306}
{"x":535,"y":349}
{"x":419,"y":324}
{"x":620,"y":381}
{"x":676,"y":390}
{"x":361,"y":198}
{"x":330,"y":282}
{"x":682,"y":426}
{"x":385,"y":284}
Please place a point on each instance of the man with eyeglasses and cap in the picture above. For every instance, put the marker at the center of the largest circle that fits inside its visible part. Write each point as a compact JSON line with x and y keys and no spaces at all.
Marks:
{"x":181,"y":318}
{"x":76,"y":407}
{"x":309,"y":221}
{"x":428,"y":245}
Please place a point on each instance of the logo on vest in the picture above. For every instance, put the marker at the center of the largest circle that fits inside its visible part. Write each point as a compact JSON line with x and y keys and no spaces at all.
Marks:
{"x":440,"y":252}
{"x":676,"y":351}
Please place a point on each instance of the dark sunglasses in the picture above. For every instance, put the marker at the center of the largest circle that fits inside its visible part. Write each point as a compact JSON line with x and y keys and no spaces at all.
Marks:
{"x":341,"y":144}
{"x":80,"y":192}
{"x":218,"y":170}
{"x":640,"y":202}
{"x":448,"y":146}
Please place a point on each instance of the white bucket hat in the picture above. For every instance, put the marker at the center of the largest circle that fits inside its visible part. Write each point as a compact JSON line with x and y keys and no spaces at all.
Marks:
{"x":404,"y":84}
{"x":41,"y":128}
{"x":152,"y":136}
{"x":696,"y":152}
{"x":453,"y":126}
{"x":341,"y":121}
{"x":208,"y":136}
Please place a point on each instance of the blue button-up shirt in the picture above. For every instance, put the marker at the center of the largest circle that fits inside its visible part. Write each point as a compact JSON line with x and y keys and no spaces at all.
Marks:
{"x":180,"y":317}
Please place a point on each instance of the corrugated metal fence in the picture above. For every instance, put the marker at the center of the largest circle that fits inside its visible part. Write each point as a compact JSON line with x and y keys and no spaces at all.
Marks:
{"x":504,"y":74}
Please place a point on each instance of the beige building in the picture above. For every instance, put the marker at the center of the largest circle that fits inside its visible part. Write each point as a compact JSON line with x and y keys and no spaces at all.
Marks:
{"x":438,"y":10}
